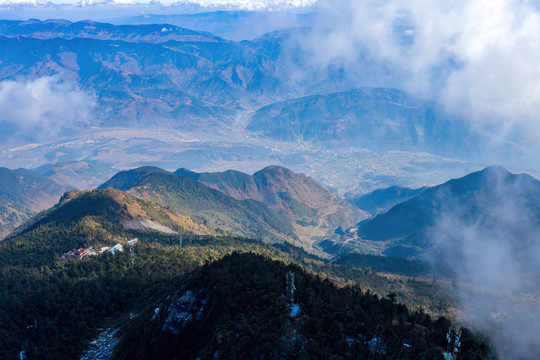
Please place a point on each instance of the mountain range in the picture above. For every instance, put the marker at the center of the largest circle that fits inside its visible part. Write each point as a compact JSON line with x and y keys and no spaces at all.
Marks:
{"x":170,"y":77}
{"x":314,"y":211}
{"x":105,"y":255}
{"x":190,"y":295}
{"x":232,"y":25}
{"x":275,"y":204}
{"x":213,"y":208}
{"x":185,"y":219}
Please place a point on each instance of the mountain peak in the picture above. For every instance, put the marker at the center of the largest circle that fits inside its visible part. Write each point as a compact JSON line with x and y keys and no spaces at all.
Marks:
{"x":278,"y":168}
{"x":127,"y":179}
{"x":495,"y":170}
{"x":187,"y":173}
{"x":192,"y":198}
{"x":116,"y":208}
{"x":309,"y":206}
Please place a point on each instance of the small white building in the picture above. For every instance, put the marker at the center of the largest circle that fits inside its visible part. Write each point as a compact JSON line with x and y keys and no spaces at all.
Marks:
{"x":116,"y":248}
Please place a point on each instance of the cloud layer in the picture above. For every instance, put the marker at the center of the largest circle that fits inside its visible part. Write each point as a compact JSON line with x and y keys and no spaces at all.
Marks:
{"x":478,"y":59}
{"x":42,"y":107}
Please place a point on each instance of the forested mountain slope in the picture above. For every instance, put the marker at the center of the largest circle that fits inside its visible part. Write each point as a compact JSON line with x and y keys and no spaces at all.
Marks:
{"x":190,"y":198}
{"x":238,"y":308}
{"x":312,"y":209}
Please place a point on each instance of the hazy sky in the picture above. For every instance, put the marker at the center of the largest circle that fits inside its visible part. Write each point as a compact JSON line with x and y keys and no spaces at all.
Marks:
{"x":104,"y":10}
{"x":249,"y":4}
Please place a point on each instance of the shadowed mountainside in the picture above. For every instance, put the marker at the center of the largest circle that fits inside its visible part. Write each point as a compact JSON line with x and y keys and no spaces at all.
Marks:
{"x":486,"y":198}
{"x":382,"y":200}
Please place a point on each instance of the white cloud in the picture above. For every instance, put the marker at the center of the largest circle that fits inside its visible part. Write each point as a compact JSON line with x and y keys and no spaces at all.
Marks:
{"x":42,"y":107}
{"x":477,"y":58}
{"x":256,"y":4}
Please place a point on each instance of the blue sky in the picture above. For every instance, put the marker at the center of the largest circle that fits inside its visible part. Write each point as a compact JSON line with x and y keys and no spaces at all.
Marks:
{"x":248,"y":4}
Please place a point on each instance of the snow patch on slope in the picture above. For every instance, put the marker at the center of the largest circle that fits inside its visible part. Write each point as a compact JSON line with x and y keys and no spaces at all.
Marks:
{"x":102,"y":347}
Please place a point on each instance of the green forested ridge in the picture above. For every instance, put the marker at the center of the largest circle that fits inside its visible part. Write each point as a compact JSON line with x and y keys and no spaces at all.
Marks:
{"x":312,"y":209}
{"x":191,"y":198}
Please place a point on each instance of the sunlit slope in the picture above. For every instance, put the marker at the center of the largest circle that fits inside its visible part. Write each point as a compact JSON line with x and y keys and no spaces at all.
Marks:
{"x":311,"y":208}
{"x":216,"y":210}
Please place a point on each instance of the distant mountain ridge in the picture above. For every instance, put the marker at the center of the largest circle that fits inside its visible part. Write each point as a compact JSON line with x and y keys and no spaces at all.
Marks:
{"x":77,"y":174}
{"x":374,"y":118}
{"x":58,"y":28}
{"x":313,"y":210}
{"x":382,"y":200}
{"x":169,"y":77}
{"x":233,"y":25}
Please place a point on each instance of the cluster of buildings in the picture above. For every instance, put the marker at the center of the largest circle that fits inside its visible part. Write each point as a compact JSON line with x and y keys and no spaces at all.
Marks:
{"x":82,"y":252}
{"x":79,"y":253}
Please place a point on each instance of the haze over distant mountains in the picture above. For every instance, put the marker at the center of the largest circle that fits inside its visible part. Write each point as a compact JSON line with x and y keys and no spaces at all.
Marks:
{"x":213,"y":103}
{"x":166,"y":76}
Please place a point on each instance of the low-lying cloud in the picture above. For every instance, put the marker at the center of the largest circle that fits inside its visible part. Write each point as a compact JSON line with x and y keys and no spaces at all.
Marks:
{"x":493,"y":245}
{"x":41,"y":108}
